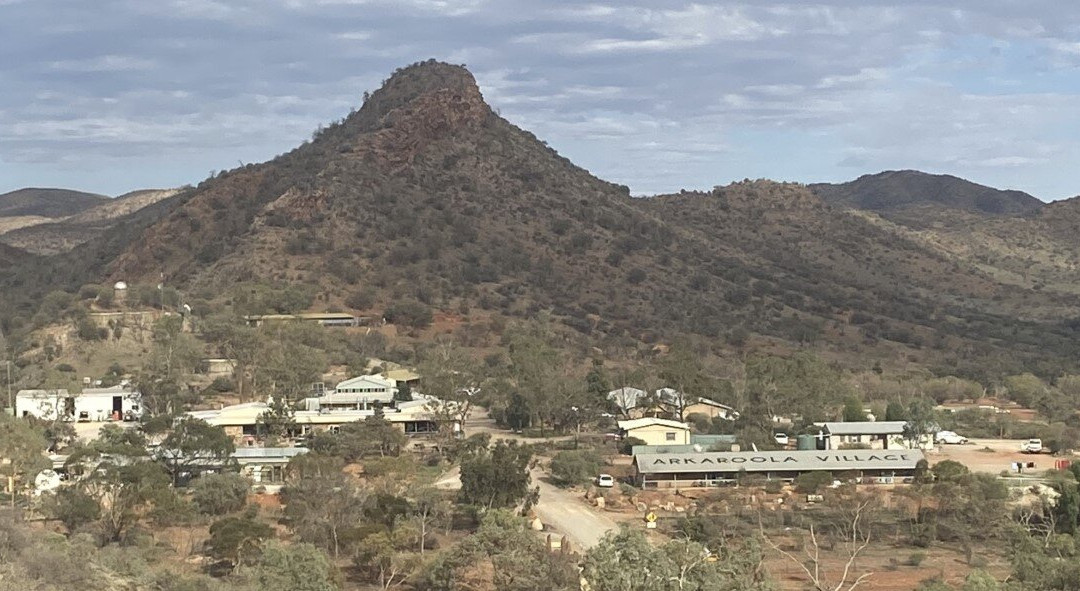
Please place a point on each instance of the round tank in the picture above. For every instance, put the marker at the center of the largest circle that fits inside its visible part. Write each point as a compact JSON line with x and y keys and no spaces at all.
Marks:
{"x":805,"y":442}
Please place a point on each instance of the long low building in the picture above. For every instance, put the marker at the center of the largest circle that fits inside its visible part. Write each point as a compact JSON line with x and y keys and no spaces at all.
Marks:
{"x":698,"y":470}
{"x":242,"y":420}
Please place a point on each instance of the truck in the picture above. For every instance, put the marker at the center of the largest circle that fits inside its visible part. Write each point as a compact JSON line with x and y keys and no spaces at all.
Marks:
{"x":1032,"y":446}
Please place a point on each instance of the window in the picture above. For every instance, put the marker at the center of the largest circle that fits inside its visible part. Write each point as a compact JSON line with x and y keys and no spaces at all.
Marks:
{"x":670,"y":436}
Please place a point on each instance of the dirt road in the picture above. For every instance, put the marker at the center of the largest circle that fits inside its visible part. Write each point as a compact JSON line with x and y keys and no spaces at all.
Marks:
{"x":561,"y":511}
{"x":567,"y":514}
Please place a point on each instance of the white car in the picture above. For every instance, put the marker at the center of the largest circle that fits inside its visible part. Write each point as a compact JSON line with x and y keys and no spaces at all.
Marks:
{"x":781,"y":438}
{"x":950,"y":438}
{"x":605,"y":481}
{"x":1032,"y":446}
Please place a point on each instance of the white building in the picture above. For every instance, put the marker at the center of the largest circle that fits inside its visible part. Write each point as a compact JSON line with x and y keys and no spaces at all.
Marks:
{"x":870,"y":434}
{"x":92,"y":404}
{"x":102,"y":404}
{"x":48,"y":405}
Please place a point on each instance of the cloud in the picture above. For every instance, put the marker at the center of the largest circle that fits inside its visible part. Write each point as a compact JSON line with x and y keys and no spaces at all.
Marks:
{"x":104,"y":63}
{"x":657,"y":94}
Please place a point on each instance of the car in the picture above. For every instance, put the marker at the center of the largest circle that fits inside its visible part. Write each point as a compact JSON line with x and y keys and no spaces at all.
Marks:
{"x":781,"y":438}
{"x":1032,"y":446}
{"x":950,"y":438}
{"x":605,"y":481}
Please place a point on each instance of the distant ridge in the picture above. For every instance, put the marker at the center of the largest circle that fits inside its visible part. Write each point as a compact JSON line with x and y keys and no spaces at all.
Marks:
{"x":50,"y":203}
{"x":904,"y":189}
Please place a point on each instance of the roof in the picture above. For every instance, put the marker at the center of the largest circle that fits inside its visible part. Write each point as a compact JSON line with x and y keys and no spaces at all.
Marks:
{"x":865,"y":428}
{"x":401,"y":375}
{"x":248,"y":414}
{"x":110,"y":391}
{"x":42,"y":394}
{"x":779,"y":461}
{"x":375,"y":380}
{"x":650,"y":421}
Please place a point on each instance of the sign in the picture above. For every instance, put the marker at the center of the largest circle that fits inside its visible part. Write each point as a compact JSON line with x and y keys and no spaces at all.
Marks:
{"x":651,"y":517}
{"x":705,"y":460}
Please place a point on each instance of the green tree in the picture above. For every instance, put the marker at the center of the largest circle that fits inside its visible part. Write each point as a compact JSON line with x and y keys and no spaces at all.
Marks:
{"x":498,"y":476}
{"x":218,"y":494}
{"x":615,"y":564}
{"x":238,"y":539}
{"x":75,"y":508}
{"x":921,"y":421}
{"x":322,"y":505}
{"x":24,"y":449}
{"x":296,"y":567}
{"x":452,"y":378}
{"x":853,"y":410}
{"x":192,"y":443}
{"x":895,"y":411}
{"x":569,"y":468}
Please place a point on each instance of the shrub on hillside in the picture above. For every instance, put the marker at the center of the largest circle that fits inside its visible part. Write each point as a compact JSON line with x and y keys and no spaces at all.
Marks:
{"x":812,"y":482}
{"x":409,"y":313}
{"x":569,"y":468}
{"x":218,"y":494}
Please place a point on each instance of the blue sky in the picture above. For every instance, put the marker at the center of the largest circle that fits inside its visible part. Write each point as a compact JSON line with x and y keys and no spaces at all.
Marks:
{"x":114,"y":95}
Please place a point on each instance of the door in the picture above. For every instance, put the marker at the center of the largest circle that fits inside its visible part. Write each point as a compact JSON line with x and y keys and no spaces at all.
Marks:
{"x":118,"y":404}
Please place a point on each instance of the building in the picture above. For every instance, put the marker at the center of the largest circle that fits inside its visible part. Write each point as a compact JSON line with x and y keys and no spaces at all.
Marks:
{"x":112,"y":403}
{"x":218,"y":367}
{"x":241,"y":421}
{"x":93,"y":404}
{"x":655,"y":431}
{"x":874,"y":434}
{"x":399,"y":377}
{"x":699,"y":470}
{"x":711,"y":409}
{"x":626,"y":399}
{"x":635,"y":403}
{"x":47,"y":405}
{"x":321,"y":318}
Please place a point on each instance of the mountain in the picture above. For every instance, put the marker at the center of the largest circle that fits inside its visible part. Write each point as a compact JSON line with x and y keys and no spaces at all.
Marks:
{"x":49,"y":203}
{"x":426,"y":195}
{"x":897,"y":190}
{"x":49,"y":236}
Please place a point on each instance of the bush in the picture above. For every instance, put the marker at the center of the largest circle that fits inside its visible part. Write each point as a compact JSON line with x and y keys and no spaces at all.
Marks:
{"x":626,"y":446}
{"x":774,"y":486}
{"x":812,"y":482}
{"x":361,"y":299}
{"x":916,"y":558}
{"x":409,"y":313}
{"x":218,"y":494}
{"x":569,"y":468}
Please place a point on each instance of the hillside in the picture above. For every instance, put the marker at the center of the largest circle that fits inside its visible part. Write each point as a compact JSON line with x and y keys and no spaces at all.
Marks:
{"x":426,"y":195}
{"x":49,"y":236}
{"x":49,"y":203}
{"x":893,"y":192}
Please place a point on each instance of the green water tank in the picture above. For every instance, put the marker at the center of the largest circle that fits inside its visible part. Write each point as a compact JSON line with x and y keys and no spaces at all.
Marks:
{"x":806,"y":442}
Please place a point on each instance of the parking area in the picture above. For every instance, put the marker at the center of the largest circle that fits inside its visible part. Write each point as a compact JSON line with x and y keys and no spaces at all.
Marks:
{"x":992,"y":455}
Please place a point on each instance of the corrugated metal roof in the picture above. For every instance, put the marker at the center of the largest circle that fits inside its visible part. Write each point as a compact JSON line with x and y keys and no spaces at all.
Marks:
{"x":650,"y":421}
{"x":865,"y":428}
{"x":779,"y":461}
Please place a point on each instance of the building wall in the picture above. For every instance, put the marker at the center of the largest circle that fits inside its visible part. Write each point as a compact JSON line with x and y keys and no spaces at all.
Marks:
{"x":661,"y":435}
{"x":46,"y":408}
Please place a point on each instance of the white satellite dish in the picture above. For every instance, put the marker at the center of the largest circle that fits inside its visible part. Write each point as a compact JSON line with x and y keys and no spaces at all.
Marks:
{"x":46,"y":481}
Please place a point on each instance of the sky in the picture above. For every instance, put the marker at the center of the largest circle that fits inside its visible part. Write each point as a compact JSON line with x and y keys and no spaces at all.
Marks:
{"x":115,"y":95}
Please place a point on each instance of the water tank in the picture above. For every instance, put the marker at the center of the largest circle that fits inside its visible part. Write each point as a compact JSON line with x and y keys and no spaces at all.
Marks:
{"x":805,"y":442}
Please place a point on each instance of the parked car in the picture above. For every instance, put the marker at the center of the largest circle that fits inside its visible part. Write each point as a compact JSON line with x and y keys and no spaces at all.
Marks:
{"x":1032,"y":446}
{"x":605,"y":481}
{"x":781,"y":438}
{"x":950,"y":438}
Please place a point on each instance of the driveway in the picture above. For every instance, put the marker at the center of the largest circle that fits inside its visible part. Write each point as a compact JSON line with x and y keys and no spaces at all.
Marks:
{"x":567,"y":513}
{"x":562,"y":512}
